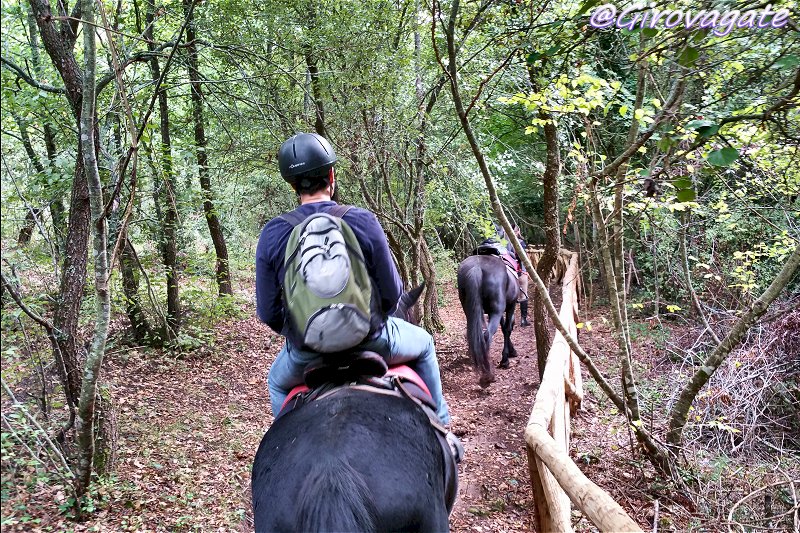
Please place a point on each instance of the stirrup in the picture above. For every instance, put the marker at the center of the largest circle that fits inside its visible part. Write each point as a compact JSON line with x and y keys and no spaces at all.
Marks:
{"x":456,"y":448}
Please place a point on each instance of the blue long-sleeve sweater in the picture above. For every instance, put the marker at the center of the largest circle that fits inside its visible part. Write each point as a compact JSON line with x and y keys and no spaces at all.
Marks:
{"x":271,"y":251}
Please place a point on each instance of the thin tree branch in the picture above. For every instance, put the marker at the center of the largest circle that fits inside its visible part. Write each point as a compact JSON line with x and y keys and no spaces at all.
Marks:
{"x":16,"y":69}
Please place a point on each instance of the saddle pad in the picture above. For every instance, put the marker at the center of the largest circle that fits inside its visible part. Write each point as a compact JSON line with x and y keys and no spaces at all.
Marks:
{"x":402,"y":371}
{"x":300,"y":389}
{"x":512,"y":276}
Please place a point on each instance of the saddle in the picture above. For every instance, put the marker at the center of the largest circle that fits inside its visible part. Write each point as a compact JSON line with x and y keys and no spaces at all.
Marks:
{"x":327,"y":376}
{"x":493,"y":248}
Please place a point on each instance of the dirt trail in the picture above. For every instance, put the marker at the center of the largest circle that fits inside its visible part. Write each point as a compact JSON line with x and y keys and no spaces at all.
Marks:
{"x":188,"y":428}
{"x":494,"y":492}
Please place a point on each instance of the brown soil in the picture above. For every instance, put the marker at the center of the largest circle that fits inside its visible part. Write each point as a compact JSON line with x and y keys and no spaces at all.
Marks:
{"x":495,"y":493}
{"x":188,"y":427}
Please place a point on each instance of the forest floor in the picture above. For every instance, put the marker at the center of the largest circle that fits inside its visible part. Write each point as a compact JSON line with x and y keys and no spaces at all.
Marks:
{"x":188,"y":426}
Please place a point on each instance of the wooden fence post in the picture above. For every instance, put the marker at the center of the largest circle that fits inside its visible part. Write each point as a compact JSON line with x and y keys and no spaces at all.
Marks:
{"x":555,"y":479}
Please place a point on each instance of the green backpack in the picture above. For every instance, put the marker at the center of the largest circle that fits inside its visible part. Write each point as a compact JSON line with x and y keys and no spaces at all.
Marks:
{"x":326,"y":287}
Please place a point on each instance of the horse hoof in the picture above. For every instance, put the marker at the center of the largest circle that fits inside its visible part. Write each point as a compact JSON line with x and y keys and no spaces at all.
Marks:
{"x":486,"y":380}
{"x":512,"y":354}
{"x":504,"y":364}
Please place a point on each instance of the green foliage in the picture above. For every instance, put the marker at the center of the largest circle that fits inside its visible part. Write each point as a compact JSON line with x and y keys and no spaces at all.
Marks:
{"x":727,"y":180}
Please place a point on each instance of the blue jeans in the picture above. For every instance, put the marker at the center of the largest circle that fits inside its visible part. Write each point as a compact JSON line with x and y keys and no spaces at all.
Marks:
{"x":398,"y":343}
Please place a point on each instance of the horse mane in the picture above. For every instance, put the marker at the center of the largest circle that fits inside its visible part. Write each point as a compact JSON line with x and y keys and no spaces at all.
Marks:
{"x":334,"y":497}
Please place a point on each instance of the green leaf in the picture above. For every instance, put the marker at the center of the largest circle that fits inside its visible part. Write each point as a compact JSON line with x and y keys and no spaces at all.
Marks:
{"x":787,"y":62}
{"x":686,"y":195}
{"x":708,"y":131}
{"x":683,"y":183}
{"x":705,"y":128}
{"x":552,"y":50}
{"x":589,"y":4}
{"x":723,"y":157}
{"x":697,"y":124}
{"x":664,"y":143}
{"x":689,"y":56}
{"x":649,"y":32}
{"x":533,"y":57}
{"x":623,"y":110}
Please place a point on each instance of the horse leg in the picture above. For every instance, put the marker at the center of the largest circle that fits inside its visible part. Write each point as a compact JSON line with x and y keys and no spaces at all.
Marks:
{"x":508,"y":326}
{"x":487,"y":374}
{"x":512,"y":352}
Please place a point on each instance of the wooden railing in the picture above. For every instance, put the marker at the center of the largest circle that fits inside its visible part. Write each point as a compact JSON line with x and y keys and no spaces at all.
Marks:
{"x":555,"y":478}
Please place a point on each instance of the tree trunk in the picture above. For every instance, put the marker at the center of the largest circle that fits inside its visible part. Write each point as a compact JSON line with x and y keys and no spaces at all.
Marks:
{"x":685,"y":217}
{"x":680,"y":411}
{"x":616,"y":302}
{"x":656,"y":286}
{"x":130,"y":286}
{"x":169,"y":244}
{"x":88,"y":131}
{"x":57,"y":215}
{"x":28,"y":225}
{"x":59,"y":43}
{"x":32,"y":213}
{"x":313,"y":75}
{"x":214,"y":226}
{"x":612,"y":251}
{"x":617,"y":236}
{"x":399,"y":257}
{"x":552,"y":244}
{"x":56,"y":205}
{"x":432,"y":320}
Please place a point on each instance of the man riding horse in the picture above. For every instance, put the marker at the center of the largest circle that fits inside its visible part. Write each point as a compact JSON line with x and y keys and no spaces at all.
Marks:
{"x":306,"y":162}
{"x":361,"y":449}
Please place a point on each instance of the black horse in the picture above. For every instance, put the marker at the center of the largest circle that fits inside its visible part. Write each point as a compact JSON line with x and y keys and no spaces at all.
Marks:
{"x":355,"y":458}
{"x":486,"y":285}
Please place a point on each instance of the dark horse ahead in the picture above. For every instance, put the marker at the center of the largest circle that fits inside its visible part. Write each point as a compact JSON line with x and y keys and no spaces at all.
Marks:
{"x":486,"y":285}
{"x":356,"y":458}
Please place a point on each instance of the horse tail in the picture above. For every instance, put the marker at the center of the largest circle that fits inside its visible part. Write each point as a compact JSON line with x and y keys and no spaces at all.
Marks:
{"x":334,"y":497}
{"x":470,"y":287}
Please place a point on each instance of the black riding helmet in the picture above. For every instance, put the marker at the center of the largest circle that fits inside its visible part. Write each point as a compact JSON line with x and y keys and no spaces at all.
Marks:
{"x":304,"y":153}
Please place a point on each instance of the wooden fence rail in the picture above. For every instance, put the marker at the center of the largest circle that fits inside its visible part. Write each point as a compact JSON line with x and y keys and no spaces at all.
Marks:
{"x":555,"y":478}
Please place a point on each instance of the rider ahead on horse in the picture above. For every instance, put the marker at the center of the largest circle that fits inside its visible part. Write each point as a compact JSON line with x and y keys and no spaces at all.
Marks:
{"x":499,"y":245}
{"x":306,"y":162}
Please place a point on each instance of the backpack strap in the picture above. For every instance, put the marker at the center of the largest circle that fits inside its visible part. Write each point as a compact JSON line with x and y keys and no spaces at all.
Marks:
{"x":339,"y":211}
{"x":293,"y":218}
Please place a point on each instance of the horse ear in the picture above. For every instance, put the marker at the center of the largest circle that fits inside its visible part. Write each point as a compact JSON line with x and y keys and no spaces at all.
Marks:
{"x":413,"y":295}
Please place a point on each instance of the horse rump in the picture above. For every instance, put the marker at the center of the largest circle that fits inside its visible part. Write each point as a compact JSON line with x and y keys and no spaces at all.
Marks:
{"x":335,"y":497}
{"x":331,"y":497}
{"x":350,"y":461}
